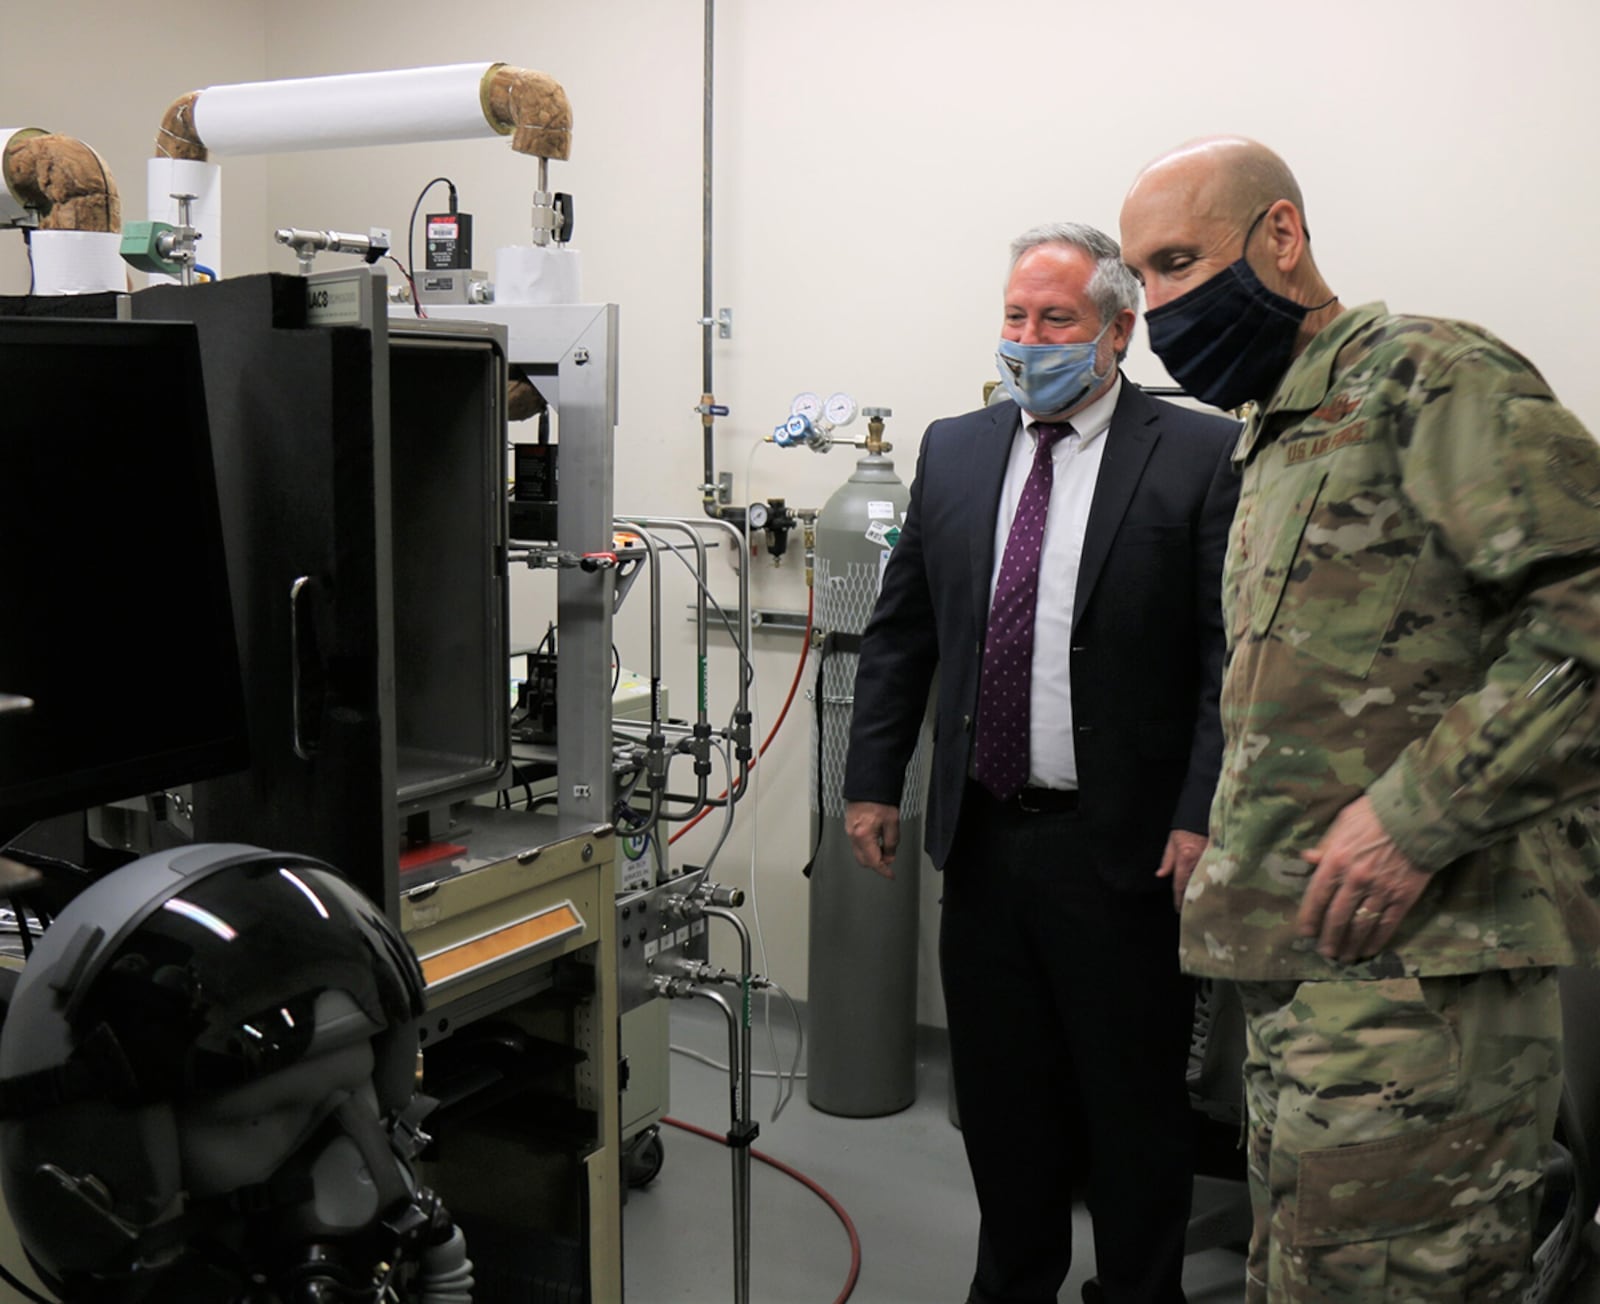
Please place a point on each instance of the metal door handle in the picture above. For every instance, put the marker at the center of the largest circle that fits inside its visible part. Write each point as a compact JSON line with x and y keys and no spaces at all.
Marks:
{"x":301,"y":749}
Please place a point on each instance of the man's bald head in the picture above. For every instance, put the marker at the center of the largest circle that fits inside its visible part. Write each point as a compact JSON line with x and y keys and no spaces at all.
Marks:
{"x":1188,"y":215}
{"x":1210,"y":204}
{"x":1232,"y":177}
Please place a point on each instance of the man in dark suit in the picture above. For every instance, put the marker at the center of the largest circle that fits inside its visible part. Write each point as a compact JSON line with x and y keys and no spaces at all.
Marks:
{"x":1060,"y":567}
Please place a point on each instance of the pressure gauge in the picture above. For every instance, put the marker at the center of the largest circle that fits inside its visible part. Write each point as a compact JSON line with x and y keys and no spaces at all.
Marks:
{"x":758,"y":516}
{"x":806,"y":405}
{"x":840,"y":409}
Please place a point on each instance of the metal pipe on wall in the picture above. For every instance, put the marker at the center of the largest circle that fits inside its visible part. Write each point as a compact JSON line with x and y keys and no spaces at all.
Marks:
{"x":709,"y":409}
{"x":705,"y":216}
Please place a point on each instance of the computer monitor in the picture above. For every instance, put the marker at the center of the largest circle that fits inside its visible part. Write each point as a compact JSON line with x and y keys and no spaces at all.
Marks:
{"x":115,"y":617}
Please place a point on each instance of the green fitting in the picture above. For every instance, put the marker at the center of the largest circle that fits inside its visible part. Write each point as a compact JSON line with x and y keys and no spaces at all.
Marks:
{"x":141,"y":247}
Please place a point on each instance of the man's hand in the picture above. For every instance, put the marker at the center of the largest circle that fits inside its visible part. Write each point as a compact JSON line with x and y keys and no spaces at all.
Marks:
{"x":874,"y":832}
{"x":1362,"y":888}
{"x":1178,"y":861}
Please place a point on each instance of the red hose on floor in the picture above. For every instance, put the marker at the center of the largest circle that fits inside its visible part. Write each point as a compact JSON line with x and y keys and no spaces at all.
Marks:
{"x":805,"y":653}
{"x":838,"y":1209}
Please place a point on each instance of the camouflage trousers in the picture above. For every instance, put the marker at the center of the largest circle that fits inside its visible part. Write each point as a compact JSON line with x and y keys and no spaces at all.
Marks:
{"x":1397,"y":1134}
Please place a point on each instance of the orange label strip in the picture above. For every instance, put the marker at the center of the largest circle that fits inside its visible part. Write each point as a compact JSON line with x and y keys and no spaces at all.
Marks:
{"x":545,"y":927}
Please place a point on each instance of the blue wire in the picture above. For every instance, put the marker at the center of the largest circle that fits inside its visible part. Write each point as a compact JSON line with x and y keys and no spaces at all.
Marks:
{"x":199,"y":267}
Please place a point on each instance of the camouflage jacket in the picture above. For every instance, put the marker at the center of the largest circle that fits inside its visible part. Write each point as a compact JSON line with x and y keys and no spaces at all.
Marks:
{"x":1412,"y":594}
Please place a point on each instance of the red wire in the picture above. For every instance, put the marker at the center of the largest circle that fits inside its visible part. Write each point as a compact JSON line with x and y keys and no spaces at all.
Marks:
{"x":805,"y":654}
{"x":838,"y":1209}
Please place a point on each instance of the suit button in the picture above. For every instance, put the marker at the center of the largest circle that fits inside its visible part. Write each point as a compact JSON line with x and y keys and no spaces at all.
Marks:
{"x":966,"y":723}
{"x":1084,"y":729}
{"x":1080,"y":648}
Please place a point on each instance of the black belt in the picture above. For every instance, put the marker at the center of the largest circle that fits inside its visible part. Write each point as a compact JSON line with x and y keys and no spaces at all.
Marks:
{"x":1031,"y":800}
{"x":1044,"y":801}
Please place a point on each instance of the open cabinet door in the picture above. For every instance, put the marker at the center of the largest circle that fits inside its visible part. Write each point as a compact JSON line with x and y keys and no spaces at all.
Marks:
{"x":299,"y":423}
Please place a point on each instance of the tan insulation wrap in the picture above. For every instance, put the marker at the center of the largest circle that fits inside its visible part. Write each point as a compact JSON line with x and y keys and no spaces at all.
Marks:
{"x":522,"y":399}
{"x":532,"y":108}
{"x":177,"y":137}
{"x":65,"y":181}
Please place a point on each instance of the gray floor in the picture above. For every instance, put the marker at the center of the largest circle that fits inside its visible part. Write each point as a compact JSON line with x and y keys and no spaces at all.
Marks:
{"x":902,"y":1179}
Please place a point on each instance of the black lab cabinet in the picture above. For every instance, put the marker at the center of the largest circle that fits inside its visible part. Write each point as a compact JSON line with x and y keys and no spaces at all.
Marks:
{"x":361,"y":474}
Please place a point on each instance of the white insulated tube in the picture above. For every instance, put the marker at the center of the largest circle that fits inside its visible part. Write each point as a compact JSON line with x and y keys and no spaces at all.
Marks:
{"x":396,"y":107}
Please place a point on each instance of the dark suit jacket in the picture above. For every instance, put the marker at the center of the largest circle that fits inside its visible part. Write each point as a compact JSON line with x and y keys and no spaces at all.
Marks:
{"x":1147,"y":643}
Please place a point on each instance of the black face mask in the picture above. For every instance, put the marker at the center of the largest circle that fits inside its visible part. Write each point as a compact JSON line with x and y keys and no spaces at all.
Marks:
{"x":1230,"y":339}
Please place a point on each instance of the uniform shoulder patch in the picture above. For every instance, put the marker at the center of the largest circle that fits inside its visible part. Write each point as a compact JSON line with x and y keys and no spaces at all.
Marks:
{"x":1574,"y":461}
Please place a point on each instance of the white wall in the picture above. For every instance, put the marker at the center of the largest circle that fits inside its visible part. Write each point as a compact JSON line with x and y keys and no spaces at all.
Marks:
{"x":873,"y":159}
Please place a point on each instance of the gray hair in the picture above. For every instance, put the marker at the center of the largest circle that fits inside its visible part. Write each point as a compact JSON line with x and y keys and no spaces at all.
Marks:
{"x":1112,"y":287}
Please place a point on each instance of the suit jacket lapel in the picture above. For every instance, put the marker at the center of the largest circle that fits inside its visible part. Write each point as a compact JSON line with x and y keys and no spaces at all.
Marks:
{"x":991,"y":452}
{"x":1129,"y":442}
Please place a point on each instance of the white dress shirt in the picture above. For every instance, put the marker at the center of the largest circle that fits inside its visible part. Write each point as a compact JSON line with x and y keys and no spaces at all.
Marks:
{"x":1075,"y":466}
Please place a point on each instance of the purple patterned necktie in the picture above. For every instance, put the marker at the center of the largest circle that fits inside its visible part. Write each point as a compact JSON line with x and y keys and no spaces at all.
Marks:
{"x":1000,"y":752}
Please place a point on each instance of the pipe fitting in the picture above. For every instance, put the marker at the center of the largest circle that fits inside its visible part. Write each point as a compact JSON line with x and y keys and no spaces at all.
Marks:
{"x":63,"y":180}
{"x":178,"y":136}
{"x":741,"y":735}
{"x":722,"y":895}
{"x":532,"y":108}
{"x":695,"y":972}
{"x":671,"y":987}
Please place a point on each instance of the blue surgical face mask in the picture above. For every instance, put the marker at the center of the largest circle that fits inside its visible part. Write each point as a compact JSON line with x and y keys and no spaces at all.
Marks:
{"x":1230,"y":339}
{"x":1047,"y":379}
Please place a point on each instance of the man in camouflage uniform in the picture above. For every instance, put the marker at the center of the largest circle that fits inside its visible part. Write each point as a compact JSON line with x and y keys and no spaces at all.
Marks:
{"x":1404,"y":836}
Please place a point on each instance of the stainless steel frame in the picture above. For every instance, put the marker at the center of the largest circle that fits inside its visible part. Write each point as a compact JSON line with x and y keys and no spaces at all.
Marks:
{"x":570,"y":353}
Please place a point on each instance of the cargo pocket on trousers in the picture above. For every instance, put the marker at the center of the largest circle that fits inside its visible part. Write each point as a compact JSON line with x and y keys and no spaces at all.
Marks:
{"x":1355,"y":1204}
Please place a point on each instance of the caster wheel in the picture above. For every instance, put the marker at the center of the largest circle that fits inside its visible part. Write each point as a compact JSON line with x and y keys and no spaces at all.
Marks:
{"x":1093,"y":1293}
{"x":643,"y":1158}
